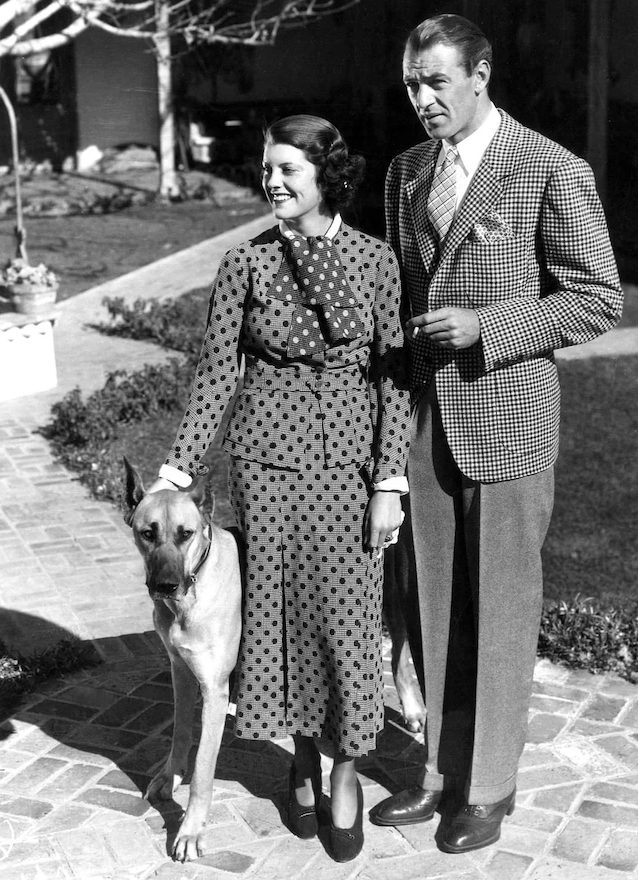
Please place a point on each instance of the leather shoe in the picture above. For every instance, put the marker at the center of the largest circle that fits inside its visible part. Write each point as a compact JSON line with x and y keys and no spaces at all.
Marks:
{"x":408,"y":807}
{"x":477,"y":825}
{"x":302,"y":820}
{"x":345,"y":844}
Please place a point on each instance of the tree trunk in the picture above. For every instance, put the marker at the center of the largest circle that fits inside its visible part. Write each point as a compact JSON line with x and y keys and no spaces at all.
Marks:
{"x":169,"y":185}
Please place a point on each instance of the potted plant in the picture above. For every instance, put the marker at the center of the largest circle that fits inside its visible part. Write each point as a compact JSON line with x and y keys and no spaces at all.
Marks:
{"x":29,"y":288}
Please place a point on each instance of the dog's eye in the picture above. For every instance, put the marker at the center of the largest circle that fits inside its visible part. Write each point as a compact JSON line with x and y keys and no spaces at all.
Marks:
{"x":186,"y":534}
{"x":147,"y":534}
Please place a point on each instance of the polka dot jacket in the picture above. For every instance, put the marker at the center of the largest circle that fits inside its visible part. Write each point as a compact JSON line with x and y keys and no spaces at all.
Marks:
{"x":306,"y":435}
{"x":357,"y":388}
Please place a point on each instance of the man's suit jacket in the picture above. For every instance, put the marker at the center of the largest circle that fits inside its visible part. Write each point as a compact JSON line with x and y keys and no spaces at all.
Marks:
{"x":530,"y":252}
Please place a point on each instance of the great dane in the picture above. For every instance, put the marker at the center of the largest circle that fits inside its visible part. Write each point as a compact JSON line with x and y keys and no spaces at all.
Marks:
{"x":193,"y":577}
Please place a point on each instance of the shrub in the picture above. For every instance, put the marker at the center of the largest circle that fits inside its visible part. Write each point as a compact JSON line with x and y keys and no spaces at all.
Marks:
{"x":86,"y":436}
{"x":584,"y":636}
{"x":20,"y":675}
{"x":84,"y":433}
{"x":176,"y":323}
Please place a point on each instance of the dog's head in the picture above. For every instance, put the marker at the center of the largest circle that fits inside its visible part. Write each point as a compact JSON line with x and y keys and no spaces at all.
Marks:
{"x":172,"y":531}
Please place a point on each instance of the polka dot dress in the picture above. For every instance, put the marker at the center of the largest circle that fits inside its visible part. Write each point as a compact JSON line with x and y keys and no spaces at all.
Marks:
{"x":307,"y":436}
{"x":310,"y":659}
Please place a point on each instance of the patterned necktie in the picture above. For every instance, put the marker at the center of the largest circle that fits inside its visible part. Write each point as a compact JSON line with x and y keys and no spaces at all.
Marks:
{"x":442,"y":198}
{"x":327,"y":312}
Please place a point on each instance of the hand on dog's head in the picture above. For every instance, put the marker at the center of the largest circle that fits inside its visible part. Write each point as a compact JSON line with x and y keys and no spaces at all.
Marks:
{"x":200,"y":491}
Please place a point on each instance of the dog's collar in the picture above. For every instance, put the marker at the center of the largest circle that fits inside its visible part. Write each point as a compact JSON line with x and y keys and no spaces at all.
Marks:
{"x":202,"y":560}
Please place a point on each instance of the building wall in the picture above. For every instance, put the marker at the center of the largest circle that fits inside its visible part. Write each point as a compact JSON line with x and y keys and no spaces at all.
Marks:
{"x":624,"y":52}
{"x":116,"y":91}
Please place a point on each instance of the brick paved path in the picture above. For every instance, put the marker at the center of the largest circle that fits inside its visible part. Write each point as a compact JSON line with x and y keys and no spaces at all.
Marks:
{"x":76,"y":755}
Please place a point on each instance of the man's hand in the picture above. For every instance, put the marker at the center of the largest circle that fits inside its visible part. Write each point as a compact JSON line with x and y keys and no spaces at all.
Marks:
{"x":449,"y":328}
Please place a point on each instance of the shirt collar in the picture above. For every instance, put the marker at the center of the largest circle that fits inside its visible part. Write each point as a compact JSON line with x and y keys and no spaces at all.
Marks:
{"x":472,"y":148}
{"x":332,"y":229}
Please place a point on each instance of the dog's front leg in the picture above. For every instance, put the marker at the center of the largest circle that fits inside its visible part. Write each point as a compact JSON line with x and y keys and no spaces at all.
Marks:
{"x":187,"y":844}
{"x":185,"y":687}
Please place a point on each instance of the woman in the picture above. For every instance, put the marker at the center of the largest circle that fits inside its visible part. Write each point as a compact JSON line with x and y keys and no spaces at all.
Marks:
{"x":317,"y":443}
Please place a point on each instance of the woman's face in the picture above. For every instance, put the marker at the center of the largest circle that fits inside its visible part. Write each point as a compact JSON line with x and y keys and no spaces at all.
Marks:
{"x":290,"y":183}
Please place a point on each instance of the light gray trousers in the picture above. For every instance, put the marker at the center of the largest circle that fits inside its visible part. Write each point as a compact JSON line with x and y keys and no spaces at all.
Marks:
{"x":477,"y":552}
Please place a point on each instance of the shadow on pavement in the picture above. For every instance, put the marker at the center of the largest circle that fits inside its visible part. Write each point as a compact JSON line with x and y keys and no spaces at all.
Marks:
{"x":102,"y":733}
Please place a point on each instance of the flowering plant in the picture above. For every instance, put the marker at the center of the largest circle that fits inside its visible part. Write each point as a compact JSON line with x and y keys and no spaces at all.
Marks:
{"x":18,"y":271}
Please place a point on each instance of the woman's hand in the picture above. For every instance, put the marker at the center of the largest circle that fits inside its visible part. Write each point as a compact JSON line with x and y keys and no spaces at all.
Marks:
{"x":383,"y":517}
{"x":159,"y":484}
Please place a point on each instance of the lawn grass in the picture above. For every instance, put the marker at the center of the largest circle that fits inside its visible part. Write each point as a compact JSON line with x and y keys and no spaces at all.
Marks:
{"x":590,"y":617}
{"x":592,"y":547}
{"x":591,"y":550}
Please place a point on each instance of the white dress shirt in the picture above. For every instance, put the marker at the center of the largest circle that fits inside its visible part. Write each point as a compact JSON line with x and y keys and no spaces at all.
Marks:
{"x":470,"y":152}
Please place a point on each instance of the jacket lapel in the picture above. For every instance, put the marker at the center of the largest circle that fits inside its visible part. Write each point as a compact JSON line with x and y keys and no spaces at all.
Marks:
{"x":486,"y":186}
{"x":417,"y":191}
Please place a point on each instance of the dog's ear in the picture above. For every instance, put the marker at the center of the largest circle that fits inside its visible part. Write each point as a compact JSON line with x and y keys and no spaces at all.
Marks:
{"x":204,"y":497}
{"x":134,"y":491}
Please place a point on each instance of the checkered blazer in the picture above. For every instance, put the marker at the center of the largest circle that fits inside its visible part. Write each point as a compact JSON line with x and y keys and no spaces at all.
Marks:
{"x":530,"y":252}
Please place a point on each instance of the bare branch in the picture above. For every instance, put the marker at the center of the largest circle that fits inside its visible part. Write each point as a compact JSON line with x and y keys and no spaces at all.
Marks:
{"x":251,"y":22}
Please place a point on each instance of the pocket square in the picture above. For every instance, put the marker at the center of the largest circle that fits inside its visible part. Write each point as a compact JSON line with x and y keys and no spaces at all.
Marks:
{"x":492,"y":228}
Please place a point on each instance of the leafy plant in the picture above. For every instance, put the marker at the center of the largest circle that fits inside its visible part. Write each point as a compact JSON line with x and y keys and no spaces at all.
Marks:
{"x":83,"y":433}
{"x":138,"y":412}
{"x":20,"y":674}
{"x":17,"y":271}
{"x":584,"y":636}
{"x":177,"y":324}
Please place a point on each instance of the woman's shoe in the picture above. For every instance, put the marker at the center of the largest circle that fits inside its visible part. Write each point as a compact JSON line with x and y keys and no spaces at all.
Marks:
{"x":345,"y":844}
{"x":302,"y":820}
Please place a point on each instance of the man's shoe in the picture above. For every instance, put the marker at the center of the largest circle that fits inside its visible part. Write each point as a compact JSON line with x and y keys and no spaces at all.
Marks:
{"x":408,"y":807}
{"x":477,"y":825}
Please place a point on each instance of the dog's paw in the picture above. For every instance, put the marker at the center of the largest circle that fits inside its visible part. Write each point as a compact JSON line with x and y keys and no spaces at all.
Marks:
{"x":413,"y":711}
{"x":415,"y":723}
{"x":188,"y":844}
{"x":163,"y":785}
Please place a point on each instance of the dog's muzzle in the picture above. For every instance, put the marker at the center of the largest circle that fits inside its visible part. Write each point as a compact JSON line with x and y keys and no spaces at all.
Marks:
{"x":162,"y":590}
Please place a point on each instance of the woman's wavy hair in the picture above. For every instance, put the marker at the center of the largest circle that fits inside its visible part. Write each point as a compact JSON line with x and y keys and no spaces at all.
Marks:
{"x":338,"y":172}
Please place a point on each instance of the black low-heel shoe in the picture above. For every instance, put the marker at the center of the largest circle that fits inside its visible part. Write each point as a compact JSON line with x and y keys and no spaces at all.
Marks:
{"x":345,"y":844}
{"x":302,"y":820}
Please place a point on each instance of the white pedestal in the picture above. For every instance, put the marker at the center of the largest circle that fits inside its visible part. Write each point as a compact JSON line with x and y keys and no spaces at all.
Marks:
{"x":27,"y":355}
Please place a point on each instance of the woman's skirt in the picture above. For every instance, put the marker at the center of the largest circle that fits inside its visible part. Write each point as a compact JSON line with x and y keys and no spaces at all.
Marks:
{"x":310,"y":656}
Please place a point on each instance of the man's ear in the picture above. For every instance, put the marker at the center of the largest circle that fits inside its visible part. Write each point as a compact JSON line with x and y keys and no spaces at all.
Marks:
{"x":482,"y":76}
{"x":204,"y":497}
{"x":133,"y":491}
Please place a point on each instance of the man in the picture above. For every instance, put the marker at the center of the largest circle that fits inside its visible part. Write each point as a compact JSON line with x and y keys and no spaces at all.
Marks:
{"x":505,"y":257}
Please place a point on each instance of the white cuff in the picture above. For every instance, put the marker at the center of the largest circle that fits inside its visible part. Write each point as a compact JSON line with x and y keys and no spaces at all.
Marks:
{"x":392,"y":484}
{"x":173,"y":475}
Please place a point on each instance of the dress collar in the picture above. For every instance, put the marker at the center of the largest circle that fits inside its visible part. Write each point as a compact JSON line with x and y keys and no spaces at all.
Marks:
{"x":333,"y":229}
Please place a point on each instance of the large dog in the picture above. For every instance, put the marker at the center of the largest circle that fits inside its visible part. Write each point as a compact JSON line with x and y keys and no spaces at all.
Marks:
{"x":193,"y":577}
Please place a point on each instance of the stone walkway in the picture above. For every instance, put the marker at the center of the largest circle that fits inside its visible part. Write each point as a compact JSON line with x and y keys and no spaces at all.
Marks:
{"x":76,"y":755}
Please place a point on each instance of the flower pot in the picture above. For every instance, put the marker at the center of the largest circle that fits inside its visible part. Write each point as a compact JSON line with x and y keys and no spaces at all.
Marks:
{"x":31,"y":299}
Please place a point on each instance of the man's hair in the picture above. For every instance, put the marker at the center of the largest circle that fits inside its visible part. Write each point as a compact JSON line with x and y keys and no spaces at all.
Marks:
{"x":452,"y":30}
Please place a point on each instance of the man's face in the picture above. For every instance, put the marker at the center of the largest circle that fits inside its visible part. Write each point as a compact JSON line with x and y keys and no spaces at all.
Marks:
{"x":448,"y":102}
